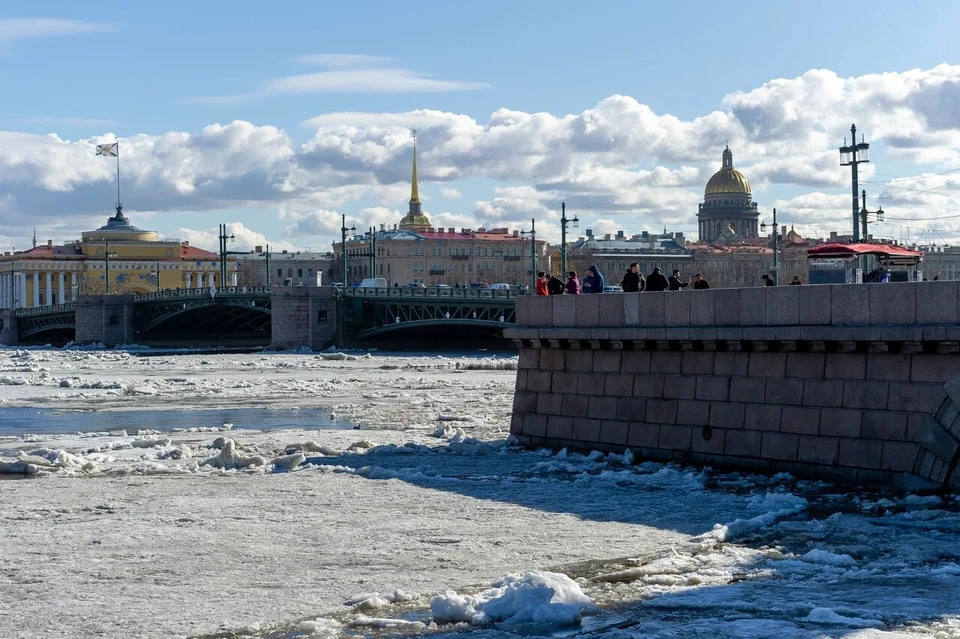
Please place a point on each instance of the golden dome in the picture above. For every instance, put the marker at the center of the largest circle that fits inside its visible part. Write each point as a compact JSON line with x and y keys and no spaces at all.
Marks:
{"x":727,"y":179}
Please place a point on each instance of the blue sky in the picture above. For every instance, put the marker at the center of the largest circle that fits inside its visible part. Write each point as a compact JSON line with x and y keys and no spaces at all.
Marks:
{"x":85,"y":70}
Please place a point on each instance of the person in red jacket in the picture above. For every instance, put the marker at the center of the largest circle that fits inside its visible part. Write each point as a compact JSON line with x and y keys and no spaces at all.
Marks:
{"x":541,"y":283}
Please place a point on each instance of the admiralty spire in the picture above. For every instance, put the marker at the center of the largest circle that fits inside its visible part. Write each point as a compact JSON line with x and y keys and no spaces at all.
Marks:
{"x":415,"y":220}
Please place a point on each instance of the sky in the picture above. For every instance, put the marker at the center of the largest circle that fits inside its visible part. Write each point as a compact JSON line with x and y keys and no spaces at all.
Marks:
{"x":278,"y":120}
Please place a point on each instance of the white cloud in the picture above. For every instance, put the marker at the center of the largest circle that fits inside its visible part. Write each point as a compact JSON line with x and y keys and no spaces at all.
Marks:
{"x":617,"y":161}
{"x":13,"y":30}
{"x":450,"y":193}
{"x":343,"y":60}
{"x":245,"y":239}
{"x":346,"y":73}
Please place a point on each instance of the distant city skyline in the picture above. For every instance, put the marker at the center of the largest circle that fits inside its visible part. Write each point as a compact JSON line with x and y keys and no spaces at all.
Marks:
{"x":278,"y":121}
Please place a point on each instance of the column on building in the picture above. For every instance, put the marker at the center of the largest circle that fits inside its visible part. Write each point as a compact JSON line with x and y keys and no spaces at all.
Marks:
{"x":200,"y":279}
{"x":48,"y":291}
{"x":189,"y":280}
{"x":4,"y":303}
{"x":233,"y":279}
{"x":36,"y":289}
{"x":60,"y":298}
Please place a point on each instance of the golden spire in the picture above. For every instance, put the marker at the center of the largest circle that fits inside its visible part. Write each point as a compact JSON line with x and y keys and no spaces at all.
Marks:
{"x":414,"y":188}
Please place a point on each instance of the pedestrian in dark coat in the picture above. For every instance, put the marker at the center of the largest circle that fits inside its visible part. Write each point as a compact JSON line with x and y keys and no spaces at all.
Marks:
{"x":699,"y":283}
{"x":593,"y":283}
{"x":657,"y":281}
{"x":555,"y":285}
{"x":632,"y":281}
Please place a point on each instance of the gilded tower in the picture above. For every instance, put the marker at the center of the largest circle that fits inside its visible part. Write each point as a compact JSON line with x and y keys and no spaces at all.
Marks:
{"x":415,"y":220}
{"x":728,"y":211}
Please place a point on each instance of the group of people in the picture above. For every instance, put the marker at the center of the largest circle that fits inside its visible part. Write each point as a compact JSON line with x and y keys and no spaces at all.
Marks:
{"x":633,"y":282}
{"x":553,"y":285}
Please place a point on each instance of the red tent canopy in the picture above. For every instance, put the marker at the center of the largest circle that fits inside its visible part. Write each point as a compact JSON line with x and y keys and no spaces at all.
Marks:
{"x":852,"y":250}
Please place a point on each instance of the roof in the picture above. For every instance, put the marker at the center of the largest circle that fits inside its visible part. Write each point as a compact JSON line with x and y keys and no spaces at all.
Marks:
{"x":852,"y":250}
{"x":47,"y":250}
{"x":727,"y":179}
{"x":194,"y":253}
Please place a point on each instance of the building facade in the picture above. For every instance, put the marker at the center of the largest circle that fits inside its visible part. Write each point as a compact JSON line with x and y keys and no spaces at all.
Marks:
{"x":116,"y":258}
{"x":295,"y":268}
{"x":414,"y":252}
{"x":728,"y":211}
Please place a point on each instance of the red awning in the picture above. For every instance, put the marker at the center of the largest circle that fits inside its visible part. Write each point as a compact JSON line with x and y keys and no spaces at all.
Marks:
{"x":834,"y":251}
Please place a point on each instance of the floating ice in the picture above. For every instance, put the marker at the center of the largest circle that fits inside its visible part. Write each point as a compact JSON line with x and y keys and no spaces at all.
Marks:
{"x":829,"y":616}
{"x":229,"y":458}
{"x":536,"y":597}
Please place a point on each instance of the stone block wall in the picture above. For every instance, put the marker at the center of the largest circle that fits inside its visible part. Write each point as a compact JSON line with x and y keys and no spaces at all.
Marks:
{"x":8,"y":334}
{"x":106,"y":319}
{"x":303,"y":316}
{"x":852,"y":383}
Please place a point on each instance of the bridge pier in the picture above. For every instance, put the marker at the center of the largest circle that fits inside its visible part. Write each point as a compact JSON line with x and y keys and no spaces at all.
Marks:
{"x":858,"y":384}
{"x":105,"y":319}
{"x":8,"y":334}
{"x":303,"y":316}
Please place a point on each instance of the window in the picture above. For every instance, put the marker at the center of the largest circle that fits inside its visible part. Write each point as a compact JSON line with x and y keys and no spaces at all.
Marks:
{"x":114,"y":320}
{"x":322,"y":315}
{"x":300,"y":272}
{"x":289,"y":272}
{"x":279,"y":272}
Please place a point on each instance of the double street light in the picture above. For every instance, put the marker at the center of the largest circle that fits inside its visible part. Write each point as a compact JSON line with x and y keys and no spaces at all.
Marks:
{"x":575,"y":222}
{"x":864,"y":213}
{"x":776,"y":248}
{"x":533,"y":253}
{"x":224,"y":238}
{"x":107,"y":254}
{"x":343,"y":247}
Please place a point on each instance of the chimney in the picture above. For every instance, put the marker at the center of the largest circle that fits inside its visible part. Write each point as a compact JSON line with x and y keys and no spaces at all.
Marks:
{"x":590,"y":233}
{"x":383,"y":227}
{"x":186,"y":244}
{"x":258,"y":249}
{"x":516,"y":233}
{"x":619,"y":235}
{"x":606,"y":236}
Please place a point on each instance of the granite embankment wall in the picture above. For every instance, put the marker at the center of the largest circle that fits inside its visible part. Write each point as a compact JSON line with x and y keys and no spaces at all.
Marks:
{"x":852,"y":383}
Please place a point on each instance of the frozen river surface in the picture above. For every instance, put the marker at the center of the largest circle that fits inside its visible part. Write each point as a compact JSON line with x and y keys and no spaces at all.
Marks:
{"x":392,"y":503}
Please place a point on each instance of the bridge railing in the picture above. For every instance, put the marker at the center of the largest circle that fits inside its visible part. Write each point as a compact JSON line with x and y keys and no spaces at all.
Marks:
{"x":202,"y":292}
{"x":43,"y":310}
{"x":431,"y":293}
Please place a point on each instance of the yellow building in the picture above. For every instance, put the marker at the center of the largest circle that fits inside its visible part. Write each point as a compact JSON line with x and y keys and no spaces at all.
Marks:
{"x":117,"y":258}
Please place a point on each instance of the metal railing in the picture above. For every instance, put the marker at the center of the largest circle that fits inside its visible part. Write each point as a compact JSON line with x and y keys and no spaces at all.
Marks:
{"x":202,"y":292}
{"x":50,"y":308}
{"x":432,"y":293}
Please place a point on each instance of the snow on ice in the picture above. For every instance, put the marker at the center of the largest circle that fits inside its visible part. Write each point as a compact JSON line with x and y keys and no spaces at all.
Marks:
{"x":428,"y":519}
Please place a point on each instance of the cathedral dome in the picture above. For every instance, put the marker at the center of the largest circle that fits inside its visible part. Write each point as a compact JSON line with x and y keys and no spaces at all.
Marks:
{"x":727,"y":179}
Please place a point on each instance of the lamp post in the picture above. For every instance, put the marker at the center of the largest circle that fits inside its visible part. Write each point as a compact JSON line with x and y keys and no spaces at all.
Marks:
{"x":343,"y":247}
{"x":533,"y":253}
{"x":107,"y":255}
{"x":852,"y":156}
{"x":776,"y":248}
{"x":158,"y":277}
{"x":575,"y":222}
{"x":224,"y":238}
{"x":864,"y":213}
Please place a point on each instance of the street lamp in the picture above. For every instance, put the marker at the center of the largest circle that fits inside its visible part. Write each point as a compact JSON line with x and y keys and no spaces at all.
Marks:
{"x":533,"y":253}
{"x":776,"y":248}
{"x":157,"y":272}
{"x":107,"y":254}
{"x":864,"y":213}
{"x":343,"y":247}
{"x":575,"y":222}
{"x":852,"y":156}
{"x":224,"y":238}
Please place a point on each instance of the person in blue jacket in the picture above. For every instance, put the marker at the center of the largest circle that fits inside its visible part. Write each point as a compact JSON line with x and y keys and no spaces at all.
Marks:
{"x":594,"y":282}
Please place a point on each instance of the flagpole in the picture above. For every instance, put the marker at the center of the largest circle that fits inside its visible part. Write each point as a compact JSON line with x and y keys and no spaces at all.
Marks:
{"x":119,"y":205}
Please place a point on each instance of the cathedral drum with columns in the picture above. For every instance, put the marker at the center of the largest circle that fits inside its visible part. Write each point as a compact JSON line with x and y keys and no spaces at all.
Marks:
{"x":728,"y":211}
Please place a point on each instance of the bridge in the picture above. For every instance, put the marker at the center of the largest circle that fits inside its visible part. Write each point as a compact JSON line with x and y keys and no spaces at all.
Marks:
{"x":282,"y":316}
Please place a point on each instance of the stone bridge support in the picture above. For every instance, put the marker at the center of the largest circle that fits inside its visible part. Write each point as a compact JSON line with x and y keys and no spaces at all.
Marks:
{"x":303,"y":316}
{"x":852,"y":383}
{"x":105,"y":319}
{"x":8,"y":334}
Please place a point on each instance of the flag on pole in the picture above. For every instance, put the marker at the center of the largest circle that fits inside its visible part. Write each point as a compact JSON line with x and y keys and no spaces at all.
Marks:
{"x":110,"y":150}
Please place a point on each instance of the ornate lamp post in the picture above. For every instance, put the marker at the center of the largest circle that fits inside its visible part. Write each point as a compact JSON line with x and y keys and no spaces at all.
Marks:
{"x":852,"y":156}
{"x":575,"y":222}
{"x":533,"y":253}
{"x":864,"y":213}
{"x":343,"y":247}
{"x":776,"y":248}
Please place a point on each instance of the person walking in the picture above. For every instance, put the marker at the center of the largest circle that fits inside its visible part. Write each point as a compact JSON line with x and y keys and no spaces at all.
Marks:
{"x":593,"y":283}
{"x":795,"y":281}
{"x":541,"y":283}
{"x":699,"y":283}
{"x":767,"y":281}
{"x":632,"y":281}
{"x":676,"y":284}
{"x":657,"y":281}
{"x":573,"y":284}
